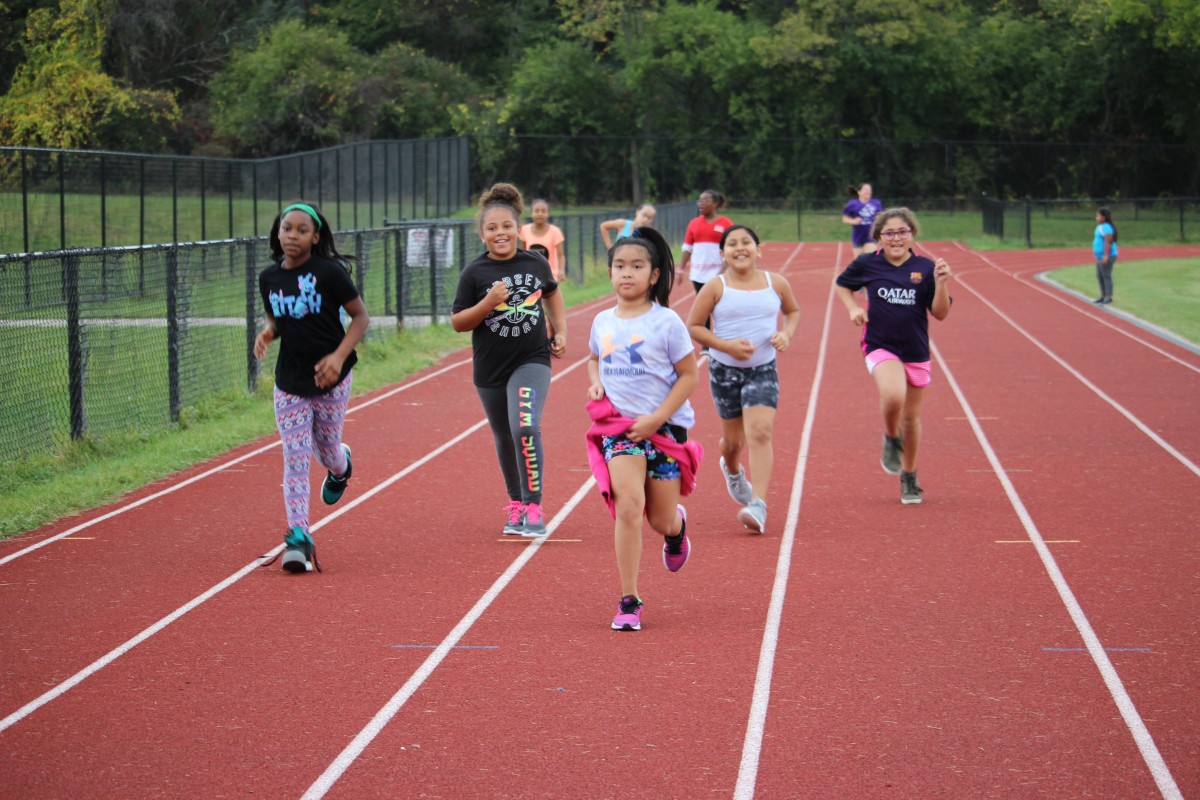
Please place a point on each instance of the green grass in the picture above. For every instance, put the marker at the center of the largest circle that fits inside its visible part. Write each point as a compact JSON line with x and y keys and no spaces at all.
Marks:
{"x":99,"y":469}
{"x":1165,"y":293}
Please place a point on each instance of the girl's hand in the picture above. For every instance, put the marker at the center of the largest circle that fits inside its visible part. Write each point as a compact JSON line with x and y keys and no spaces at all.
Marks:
{"x":642,"y":428}
{"x":941,"y":271}
{"x":595,"y":392}
{"x":558,"y":346}
{"x":498,"y":293}
{"x":264,"y":338}
{"x":858,"y":316}
{"x":780,"y":340}
{"x":740,"y":348}
{"x":328,"y":370}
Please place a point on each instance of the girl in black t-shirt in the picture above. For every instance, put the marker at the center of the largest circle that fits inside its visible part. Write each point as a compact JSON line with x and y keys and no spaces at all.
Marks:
{"x":507,"y":298}
{"x":303,"y":292}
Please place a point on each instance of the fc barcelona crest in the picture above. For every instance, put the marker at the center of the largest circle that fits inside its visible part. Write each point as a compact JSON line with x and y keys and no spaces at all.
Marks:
{"x":915,"y":277}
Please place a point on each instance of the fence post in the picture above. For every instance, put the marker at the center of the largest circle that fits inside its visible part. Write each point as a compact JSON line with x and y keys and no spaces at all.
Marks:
{"x":1181,"y":236}
{"x":799,"y":212}
{"x":74,"y":346}
{"x":173,"y":332}
{"x":397,"y":232}
{"x":433,"y":275}
{"x":1028,"y":221}
{"x":251,"y":317}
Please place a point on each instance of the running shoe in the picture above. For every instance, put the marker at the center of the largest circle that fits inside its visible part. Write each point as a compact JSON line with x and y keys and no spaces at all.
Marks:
{"x":677,"y":548}
{"x":333,"y":488}
{"x":513,"y":525}
{"x":893,"y":446}
{"x":739,"y":487}
{"x":754,"y":515}
{"x":300,"y":551}
{"x":533,"y":521}
{"x":629,"y":614}
{"x":910,"y":492}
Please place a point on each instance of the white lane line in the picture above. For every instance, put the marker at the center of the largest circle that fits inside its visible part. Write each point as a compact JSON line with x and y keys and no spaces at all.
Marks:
{"x":1141,"y":736}
{"x":755,"y":726}
{"x":1143,"y":427}
{"x":124,"y":648}
{"x":116,"y":512}
{"x":346,"y":758}
{"x":1089,"y":312}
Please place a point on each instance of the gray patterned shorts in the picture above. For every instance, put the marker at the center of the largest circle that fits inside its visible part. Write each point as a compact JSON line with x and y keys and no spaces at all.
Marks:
{"x":735,"y":388}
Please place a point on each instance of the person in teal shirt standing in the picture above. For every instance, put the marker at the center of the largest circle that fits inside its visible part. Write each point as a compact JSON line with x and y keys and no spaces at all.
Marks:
{"x":1104,"y":246}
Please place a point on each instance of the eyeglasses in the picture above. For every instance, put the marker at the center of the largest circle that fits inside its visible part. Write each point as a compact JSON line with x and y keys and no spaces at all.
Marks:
{"x":898,"y":233}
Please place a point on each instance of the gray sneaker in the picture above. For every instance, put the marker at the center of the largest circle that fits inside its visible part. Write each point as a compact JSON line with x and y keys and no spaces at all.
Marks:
{"x":754,"y":515}
{"x":910,"y":493}
{"x":893,"y":446}
{"x":739,"y":487}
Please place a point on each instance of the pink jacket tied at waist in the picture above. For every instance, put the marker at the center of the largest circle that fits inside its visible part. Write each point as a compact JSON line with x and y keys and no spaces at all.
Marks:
{"x":607,"y":421}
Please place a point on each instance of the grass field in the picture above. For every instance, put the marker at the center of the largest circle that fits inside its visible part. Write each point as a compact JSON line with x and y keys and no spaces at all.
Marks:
{"x":1166,"y":293}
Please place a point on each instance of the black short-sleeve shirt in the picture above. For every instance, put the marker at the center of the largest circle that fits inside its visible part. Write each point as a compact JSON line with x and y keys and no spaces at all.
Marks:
{"x":898,"y":300}
{"x":305,"y":301}
{"x":514,"y":332}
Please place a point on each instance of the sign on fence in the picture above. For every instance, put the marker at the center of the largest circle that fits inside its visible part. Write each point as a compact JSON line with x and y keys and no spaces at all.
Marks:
{"x":418,"y":246}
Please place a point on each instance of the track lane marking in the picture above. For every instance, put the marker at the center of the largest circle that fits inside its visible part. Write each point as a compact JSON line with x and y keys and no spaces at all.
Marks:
{"x":1133,"y":721}
{"x":761,"y":697}
{"x":1087,"y":311}
{"x":1079,"y":376}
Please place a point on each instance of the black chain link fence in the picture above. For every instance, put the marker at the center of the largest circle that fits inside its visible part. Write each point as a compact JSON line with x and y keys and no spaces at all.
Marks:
{"x":60,"y":199}
{"x":101,"y":341}
{"x":1054,"y":223}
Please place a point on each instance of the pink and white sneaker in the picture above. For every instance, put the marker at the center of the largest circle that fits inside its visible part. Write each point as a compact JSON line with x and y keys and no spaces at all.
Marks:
{"x":533,"y":521}
{"x":629,"y":614}
{"x":513,"y":513}
{"x":676,"y":549}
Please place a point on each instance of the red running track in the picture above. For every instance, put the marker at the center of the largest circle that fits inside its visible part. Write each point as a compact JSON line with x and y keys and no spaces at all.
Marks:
{"x":1029,"y":631}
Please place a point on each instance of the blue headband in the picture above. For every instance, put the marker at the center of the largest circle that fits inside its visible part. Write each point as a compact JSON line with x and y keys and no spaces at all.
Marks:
{"x":307,"y":209}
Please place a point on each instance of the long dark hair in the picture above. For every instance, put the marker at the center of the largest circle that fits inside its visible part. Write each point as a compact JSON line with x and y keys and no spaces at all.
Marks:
{"x":733,"y":228}
{"x":325,"y":246}
{"x":661,"y":259}
{"x":1107,"y":215}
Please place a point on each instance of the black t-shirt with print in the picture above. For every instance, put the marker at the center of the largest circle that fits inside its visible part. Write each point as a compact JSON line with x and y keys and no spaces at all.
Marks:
{"x":305,"y":302}
{"x":513,"y":333}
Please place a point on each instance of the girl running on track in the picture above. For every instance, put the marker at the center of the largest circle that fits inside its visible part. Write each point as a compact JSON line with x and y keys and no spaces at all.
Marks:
{"x":303,"y":293}
{"x":642,"y":218}
{"x":903,"y":288}
{"x":860,"y":212}
{"x":642,"y":370}
{"x":540,"y":231}
{"x":702,"y":242}
{"x":1104,"y":247}
{"x":506,"y":298}
{"x":745,"y":303}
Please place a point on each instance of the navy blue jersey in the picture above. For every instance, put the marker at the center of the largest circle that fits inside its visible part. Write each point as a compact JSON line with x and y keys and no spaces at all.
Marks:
{"x":898,"y":302}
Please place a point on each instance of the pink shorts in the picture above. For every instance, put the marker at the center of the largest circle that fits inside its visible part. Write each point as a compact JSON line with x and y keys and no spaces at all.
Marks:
{"x":916,"y":372}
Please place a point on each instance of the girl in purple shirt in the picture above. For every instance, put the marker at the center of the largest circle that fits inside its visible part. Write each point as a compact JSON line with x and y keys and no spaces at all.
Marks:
{"x":860,"y":212}
{"x":902,"y":289}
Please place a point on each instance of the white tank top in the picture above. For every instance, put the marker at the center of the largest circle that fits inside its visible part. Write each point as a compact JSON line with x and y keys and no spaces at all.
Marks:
{"x":747,"y":314}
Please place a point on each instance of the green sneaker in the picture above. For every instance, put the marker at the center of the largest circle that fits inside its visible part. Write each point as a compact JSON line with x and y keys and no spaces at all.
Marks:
{"x":333,"y":488}
{"x":300,"y":551}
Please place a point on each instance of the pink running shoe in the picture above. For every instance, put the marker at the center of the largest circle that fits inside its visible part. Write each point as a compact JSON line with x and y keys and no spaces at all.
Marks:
{"x":629,"y":614}
{"x":676,"y":549}
{"x":513,"y":511}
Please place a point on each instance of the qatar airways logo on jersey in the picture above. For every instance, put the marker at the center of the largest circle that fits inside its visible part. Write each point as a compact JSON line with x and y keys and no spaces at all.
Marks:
{"x":897,"y":297}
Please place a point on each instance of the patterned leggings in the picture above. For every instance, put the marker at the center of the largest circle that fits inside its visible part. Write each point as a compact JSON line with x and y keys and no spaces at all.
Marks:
{"x":304,"y":422}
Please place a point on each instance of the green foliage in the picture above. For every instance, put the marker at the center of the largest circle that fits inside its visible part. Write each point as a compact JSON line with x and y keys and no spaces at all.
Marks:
{"x":60,"y":96}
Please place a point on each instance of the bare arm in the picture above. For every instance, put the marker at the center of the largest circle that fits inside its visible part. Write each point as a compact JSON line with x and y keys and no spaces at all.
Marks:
{"x":556,"y":318}
{"x":791,"y":313}
{"x":858,"y":314}
{"x":329,"y":369}
{"x":606,"y":229}
{"x":941,"y":295}
{"x":647,"y":424}
{"x":469,"y":318}
{"x":595,"y":387}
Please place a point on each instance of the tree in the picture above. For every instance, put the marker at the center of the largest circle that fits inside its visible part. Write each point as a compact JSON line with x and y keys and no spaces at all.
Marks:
{"x":60,"y":97}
